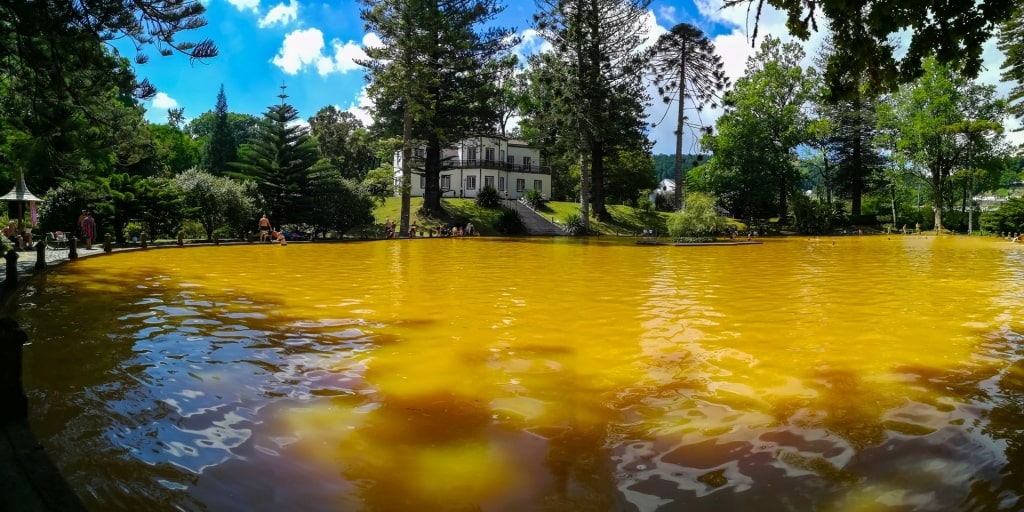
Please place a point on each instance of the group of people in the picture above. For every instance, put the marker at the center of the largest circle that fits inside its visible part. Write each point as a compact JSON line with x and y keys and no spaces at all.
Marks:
{"x":269,"y":234}
{"x":18,"y":235}
{"x":87,"y":227}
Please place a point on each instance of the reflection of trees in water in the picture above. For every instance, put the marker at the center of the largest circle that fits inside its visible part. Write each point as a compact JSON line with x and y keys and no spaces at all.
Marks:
{"x":1005,"y":423}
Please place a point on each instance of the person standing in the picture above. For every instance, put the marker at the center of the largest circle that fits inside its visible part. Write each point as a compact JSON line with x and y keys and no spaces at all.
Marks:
{"x":88,"y":230}
{"x":264,"y":228}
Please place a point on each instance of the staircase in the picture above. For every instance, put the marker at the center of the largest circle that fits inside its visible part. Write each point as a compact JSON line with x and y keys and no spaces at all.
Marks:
{"x":535,"y":223}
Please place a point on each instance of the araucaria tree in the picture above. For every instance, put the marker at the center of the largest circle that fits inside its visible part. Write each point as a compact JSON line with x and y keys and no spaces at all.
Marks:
{"x":686,"y":68}
{"x":764,"y":122}
{"x":280,"y":160}
{"x":597,"y":42}
{"x":221,"y":149}
{"x":432,"y":79}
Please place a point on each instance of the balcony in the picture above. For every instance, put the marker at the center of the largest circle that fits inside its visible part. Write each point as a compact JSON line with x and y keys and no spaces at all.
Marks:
{"x":491,"y":164}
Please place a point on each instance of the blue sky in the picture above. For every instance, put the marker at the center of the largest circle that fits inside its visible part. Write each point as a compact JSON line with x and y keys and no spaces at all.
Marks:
{"x":309,"y":46}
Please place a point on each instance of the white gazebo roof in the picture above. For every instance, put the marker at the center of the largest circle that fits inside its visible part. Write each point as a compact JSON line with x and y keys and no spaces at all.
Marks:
{"x":20,"y":192}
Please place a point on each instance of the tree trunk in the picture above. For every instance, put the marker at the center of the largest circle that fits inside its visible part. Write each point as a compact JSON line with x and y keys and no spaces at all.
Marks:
{"x":585,"y":186}
{"x":680,"y":115}
{"x":783,"y":205}
{"x":937,"y":183}
{"x":403,"y":224}
{"x":597,"y":183}
{"x":432,"y":175}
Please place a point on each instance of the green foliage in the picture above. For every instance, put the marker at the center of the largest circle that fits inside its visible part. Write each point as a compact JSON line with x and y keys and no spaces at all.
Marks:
{"x":436,"y":63}
{"x":752,"y":168}
{"x":954,"y":31}
{"x":217,"y":202}
{"x":811,"y":216}
{"x":509,"y":223}
{"x":380,"y":182}
{"x":488,"y":197}
{"x":280,"y":161}
{"x":1009,"y":217}
{"x":698,"y":218}
{"x":123,"y":198}
{"x":221,"y":149}
{"x":574,"y":225}
{"x":337,"y":204}
{"x":343,"y":141}
{"x":62,"y":205}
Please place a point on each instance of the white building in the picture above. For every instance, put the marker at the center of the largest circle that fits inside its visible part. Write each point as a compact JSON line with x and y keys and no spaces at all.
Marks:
{"x":510,"y":166}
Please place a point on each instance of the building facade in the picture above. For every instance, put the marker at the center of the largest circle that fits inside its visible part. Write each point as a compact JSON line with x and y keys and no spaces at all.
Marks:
{"x":511,"y":166}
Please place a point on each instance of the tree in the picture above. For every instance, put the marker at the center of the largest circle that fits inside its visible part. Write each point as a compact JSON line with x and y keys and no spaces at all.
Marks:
{"x":686,"y":66}
{"x":216,"y":201}
{"x":1011,"y":43}
{"x":338,"y":204}
{"x":851,"y":131}
{"x":343,"y":141}
{"x":125,"y":198}
{"x":763,"y":124}
{"x":698,"y":218}
{"x":587,"y":36}
{"x":280,"y":161}
{"x":68,"y":91}
{"x":221,"y":149}
{"x":924,"y":118}
{"x":953,"y":32}
{"x":432,"y":79}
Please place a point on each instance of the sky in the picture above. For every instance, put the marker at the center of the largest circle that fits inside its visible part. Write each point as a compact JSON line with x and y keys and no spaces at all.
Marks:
{"x":311,"y":47}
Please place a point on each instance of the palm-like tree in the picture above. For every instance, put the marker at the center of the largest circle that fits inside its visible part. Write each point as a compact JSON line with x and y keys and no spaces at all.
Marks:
{"x":685,"y":67}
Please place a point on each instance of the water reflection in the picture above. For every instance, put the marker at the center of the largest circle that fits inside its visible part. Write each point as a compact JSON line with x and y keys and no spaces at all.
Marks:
{"x":483,"y":374}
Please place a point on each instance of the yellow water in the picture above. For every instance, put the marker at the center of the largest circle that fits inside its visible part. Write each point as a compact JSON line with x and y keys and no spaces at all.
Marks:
{"x":859,"y":373}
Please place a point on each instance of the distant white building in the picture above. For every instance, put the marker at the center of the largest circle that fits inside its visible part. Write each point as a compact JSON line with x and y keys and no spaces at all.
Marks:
{"x":510,"y":166}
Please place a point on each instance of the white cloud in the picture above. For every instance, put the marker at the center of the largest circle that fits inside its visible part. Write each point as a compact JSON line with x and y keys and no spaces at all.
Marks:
{"x":162,"y":100}
{"x":305,"y":48}
{"x":281,"y":14}
{"x":361,"y":108}
{"x":668,"y":13}
{"x":300,"y":48}
{"x":243,"y":5}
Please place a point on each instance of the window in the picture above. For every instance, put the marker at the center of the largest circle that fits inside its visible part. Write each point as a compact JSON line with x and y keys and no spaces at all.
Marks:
{"x":489,"y":181}
{"x":418,"y":152}
{"x":501,"y":183}
{"x":470,"y":182}
{"x":489,"y":155}
{"x":520,"y":185}
{"x":423,"y":182}
{"x":501,"y":155}
{"x":471,"y":155}
{"x":446,"y":182}
{"x":511,"y":160}
{"x":538,"y":186}
{"x":527,"y":163}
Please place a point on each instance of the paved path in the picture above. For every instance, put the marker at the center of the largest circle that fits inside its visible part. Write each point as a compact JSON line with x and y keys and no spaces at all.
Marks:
{"x":535,"y":223}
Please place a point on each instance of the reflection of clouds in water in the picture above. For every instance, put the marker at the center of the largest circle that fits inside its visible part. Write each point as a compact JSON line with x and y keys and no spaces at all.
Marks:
{"x":202,"y":371}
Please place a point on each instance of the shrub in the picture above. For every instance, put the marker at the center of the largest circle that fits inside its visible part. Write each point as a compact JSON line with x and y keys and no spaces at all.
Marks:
{"x":534,"y":198}
{"x":509,"y":223}
{"x":698,"y":218}
{"x":1009,"y":217}
{"x":488,"y":197}
{"x":574,"y":224}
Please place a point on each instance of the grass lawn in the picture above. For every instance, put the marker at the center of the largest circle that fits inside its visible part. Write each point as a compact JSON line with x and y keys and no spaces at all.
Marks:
{"x":625,"y":220}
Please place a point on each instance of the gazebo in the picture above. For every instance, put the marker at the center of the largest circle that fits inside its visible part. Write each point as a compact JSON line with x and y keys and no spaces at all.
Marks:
{"x":21,"y":195}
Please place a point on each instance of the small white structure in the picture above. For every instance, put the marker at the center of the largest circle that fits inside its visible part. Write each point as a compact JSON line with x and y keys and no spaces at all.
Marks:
{"x":510,"y":166}
{"x":666,"y":188}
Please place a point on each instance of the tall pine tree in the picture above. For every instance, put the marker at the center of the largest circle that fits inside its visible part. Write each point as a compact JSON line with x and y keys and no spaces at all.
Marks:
{"x":221,"y":149}
{"x":281,"y":161}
